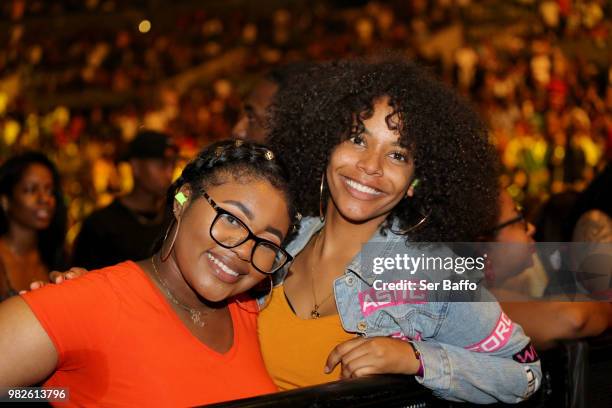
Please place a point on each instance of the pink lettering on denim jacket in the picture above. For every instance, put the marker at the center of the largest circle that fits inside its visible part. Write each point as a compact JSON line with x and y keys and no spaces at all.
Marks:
{"x":372,"y":300}
{"x":497,"y":339}
{"x":400,"y":335}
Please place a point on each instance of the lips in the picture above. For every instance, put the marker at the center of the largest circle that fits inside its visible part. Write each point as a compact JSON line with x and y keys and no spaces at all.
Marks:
{"x":360,"y":190}
{"x":224,"y":269}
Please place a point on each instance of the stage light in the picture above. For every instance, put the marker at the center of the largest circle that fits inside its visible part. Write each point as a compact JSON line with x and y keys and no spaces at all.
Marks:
{"x":144,"y":26}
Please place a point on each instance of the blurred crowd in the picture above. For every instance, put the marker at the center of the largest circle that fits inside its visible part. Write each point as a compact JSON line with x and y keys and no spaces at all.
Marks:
{"x":79,"y":79}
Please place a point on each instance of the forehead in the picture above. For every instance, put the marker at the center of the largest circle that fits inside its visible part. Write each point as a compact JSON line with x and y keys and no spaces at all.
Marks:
{"x":383,"y":121}
{"x":262,"y":94}
{"x":248,"y":189}
{"x":37,"y":171}
{"x":260,"y":197}
{"x":507,"y":204}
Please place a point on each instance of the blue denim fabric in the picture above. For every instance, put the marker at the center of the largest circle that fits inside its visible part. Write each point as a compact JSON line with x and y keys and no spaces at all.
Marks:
{"x":441,"y":331}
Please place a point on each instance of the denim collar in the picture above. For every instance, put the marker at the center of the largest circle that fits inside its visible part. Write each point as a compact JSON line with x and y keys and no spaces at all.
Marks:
{"x":385,"y":246}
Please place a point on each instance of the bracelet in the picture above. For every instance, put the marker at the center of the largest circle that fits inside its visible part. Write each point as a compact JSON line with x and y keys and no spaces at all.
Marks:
{"x":417,"y":355}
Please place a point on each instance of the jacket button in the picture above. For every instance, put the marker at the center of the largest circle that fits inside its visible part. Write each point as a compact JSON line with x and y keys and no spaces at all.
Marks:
{"x":362,"y":326}
{"x":349,"y":280}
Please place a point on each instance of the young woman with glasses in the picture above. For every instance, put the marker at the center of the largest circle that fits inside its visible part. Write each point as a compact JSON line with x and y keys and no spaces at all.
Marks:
{"x":175,"y":329}
{"x":544,"y":319}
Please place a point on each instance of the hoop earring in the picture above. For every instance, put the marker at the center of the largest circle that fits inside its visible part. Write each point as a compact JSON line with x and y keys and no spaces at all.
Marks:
{"x":412,"y":228}
{"x":321,"y":215}
{"x":178,"y":225}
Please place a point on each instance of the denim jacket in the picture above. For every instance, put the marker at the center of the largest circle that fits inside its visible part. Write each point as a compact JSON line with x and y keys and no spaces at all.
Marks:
{"x":470,"y":351}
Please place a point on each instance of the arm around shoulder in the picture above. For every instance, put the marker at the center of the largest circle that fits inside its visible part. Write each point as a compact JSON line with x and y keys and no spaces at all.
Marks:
{"x":28,"y":354}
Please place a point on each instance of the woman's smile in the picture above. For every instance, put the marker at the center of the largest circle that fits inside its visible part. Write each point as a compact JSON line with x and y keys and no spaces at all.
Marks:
{"x":223,"y":268}
{"x":361,"y":190}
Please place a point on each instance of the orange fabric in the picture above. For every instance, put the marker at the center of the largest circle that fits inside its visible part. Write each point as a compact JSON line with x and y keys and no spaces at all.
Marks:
{"x":295,"y":350}
{"x":119,"y":343}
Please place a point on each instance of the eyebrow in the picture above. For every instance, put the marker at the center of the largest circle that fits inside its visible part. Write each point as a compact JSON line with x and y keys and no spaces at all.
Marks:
{"x":250,"y":216}
{"x":397,"y":143}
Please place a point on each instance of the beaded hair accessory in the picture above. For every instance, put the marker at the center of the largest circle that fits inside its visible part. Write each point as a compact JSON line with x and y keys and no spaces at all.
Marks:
{"x":268,"y":155}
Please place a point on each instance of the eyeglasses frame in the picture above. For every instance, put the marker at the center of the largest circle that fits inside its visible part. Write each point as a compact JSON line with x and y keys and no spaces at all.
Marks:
{"x":251,"y":236}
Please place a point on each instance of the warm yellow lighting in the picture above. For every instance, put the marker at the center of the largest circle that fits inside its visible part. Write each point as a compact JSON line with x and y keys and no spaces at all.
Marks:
{"x":144,"y":26}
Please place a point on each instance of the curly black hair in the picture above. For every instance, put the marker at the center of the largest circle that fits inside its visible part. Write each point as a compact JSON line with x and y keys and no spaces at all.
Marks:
{"x":50,"y":240}
{"x":237,"y":159}
{"x":456,"y":165}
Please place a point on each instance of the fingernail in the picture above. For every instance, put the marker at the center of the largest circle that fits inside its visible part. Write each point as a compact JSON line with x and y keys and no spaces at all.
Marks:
{"x":326,"y":370}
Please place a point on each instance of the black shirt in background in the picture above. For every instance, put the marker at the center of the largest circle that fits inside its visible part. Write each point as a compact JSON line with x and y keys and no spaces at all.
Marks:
{"x":114,"y":234}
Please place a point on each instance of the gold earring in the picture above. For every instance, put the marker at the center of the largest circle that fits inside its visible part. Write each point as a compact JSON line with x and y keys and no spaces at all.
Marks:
{"x":178,"y":225}
{"x":321,"y":215}
{"x":412,"y":228}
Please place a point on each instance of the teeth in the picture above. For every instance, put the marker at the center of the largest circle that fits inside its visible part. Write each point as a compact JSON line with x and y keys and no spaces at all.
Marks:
{"x":223,"y":266}
{"x":360,"y":187}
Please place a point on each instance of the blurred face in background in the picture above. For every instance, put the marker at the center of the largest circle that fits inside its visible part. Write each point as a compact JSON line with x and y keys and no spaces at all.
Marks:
{"x":154,"y":176}
{"x":513,"y":251}
{"x":253,"y":121}
{"x":32,"y":204}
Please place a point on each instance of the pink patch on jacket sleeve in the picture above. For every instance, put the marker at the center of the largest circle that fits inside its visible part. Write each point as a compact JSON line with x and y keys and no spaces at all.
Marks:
{"x":497,"y":339}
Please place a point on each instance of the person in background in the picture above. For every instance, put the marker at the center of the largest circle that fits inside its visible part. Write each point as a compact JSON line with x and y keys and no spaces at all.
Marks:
{"x":546,"y":321}
{"x":253,"y":123}
{"x":128,"y":227}
{"x":32,"y":222}
{"x":591,"y":218}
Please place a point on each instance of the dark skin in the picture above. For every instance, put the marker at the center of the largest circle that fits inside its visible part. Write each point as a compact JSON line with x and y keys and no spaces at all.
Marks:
{"x":379,"y":165}
{"x":152,"y":177}
{"x":545,"y":320}
{"x":188,"y":272}
{"x":29,"y":210}
{"x":253,"y":120}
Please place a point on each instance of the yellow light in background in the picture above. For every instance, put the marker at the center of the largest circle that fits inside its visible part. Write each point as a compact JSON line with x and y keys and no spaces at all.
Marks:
{"x":11,"y":131}
{"x":144,"y":26}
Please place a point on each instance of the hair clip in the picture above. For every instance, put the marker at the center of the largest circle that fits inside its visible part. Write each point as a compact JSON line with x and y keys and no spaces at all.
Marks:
{"x":219,"y":150}
{"x":298,"y":216}
{"x":180,"y":197}
{"x":269,"y":155}
{"x":238,"y":142}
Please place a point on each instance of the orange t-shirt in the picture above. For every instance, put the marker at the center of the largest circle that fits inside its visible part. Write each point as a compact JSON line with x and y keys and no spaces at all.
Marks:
{"x":119,"y":343}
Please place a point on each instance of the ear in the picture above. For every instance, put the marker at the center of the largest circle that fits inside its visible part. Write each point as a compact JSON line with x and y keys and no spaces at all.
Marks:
{"x":135,"y":165}
{"x":410,"y":192}
{"x":413,"y":185}
{"x":182,"y":199}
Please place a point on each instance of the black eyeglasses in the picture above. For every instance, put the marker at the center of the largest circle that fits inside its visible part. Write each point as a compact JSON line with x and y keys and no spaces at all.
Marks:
{"x":519,"y":218}
{"x":229,"y":231}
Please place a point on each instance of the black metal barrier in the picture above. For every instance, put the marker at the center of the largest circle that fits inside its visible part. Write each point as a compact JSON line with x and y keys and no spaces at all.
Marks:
{"x":576,"y":374}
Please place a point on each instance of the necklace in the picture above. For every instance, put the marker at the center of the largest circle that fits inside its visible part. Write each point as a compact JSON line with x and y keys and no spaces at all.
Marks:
{"x":196,"y":315}
{"x":314,"y":313}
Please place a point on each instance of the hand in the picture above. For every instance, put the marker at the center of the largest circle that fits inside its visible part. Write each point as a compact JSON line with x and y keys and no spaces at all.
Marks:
{"x":58,"y":277}
{"x":72,"y":273}
{"x":378,"y":355}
